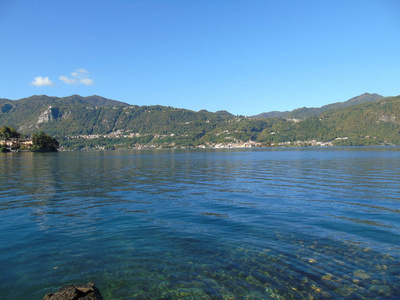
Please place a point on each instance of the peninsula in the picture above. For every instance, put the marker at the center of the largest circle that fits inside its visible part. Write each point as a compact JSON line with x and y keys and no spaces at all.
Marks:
{"x":11,"y":141}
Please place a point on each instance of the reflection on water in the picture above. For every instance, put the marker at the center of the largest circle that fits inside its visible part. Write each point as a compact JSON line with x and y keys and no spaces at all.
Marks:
{"x":210,"y":224}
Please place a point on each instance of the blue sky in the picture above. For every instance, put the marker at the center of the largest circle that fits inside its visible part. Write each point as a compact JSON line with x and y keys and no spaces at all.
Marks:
{"x":246,"y":57}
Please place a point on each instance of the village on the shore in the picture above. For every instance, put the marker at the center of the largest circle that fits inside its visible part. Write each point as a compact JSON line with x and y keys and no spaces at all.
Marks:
{"x":16,"y":144}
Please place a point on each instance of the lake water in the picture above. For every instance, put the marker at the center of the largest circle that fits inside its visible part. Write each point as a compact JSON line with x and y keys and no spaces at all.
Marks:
{"x":312,"y":223}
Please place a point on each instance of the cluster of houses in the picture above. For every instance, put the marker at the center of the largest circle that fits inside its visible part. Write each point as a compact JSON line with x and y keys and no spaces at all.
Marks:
{"x":14,"y":144}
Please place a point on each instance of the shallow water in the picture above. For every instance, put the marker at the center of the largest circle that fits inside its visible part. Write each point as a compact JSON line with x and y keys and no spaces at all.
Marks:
{"x":212,"y":224}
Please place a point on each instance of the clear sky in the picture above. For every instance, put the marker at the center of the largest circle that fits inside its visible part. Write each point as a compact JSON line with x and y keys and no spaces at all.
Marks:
{"x":244,"y":56}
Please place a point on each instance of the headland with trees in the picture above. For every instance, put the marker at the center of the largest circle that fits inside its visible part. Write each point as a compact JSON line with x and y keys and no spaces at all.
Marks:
{"x":13,"y":141}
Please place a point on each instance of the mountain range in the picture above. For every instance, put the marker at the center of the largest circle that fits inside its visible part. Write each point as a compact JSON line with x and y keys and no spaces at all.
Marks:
{"x":87,"y":122}
{"x":304,"y":112}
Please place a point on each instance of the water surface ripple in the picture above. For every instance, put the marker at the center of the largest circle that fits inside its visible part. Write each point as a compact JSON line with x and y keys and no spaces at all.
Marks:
{"x":317,"y":223}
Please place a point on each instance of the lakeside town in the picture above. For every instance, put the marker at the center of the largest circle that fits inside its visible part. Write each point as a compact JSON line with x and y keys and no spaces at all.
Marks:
{"x":233,"y":144}
{"x":17,"y":144}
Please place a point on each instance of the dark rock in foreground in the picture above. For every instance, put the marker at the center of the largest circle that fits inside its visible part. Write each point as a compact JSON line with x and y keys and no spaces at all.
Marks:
{"x":76,"y":292}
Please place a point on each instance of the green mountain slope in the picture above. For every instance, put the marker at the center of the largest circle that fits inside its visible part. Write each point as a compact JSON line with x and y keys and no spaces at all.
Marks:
{"x":76,"y":115}
{"x":32,"y":113}
{"x":379,"y":120}
{"x":96,"y":122}
{"x":372,"y":123}
{"x":304,"y":112}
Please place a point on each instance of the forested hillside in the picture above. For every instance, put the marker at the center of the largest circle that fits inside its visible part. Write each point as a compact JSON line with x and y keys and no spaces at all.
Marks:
{"x":305,"y":112}
{"x":96,"y":122}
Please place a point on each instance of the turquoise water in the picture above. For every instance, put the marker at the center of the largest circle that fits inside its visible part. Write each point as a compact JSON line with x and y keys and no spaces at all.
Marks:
{"x":312,"y":223}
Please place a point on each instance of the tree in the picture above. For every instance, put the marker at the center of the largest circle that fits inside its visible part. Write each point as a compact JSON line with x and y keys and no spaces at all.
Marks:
{"x":44,"y":142}
{"x":8,"y":132}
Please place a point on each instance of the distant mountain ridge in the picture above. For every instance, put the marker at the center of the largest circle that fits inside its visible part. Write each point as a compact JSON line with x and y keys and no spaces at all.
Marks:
{"x":304,"y":112}
{"x":75,"y":115}
{"x":73,"y":99}
{"x":96,"y":122}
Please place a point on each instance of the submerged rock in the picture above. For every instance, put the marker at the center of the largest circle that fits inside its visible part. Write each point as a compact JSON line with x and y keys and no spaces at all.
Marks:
{"x":76,"y":292}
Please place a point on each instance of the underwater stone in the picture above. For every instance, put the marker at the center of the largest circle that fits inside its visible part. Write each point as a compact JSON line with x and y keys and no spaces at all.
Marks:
{"x":382,"y":290}
{"x":76,"y":292}
{"x":361,"y":274}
